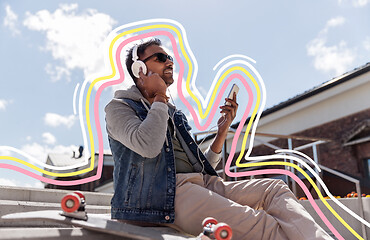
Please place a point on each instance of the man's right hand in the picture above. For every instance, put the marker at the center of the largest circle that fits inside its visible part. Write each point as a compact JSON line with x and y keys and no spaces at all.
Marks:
{"x":151,"y":84}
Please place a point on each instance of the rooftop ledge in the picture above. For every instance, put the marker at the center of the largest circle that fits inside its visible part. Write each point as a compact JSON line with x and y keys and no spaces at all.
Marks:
{"x":18,"y":199}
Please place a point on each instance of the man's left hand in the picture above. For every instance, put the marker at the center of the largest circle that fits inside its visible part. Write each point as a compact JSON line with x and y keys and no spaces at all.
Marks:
{"x":229,"y":113}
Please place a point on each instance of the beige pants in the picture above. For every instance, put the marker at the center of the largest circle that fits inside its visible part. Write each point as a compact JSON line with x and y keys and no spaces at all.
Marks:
{"x":254,"y":209}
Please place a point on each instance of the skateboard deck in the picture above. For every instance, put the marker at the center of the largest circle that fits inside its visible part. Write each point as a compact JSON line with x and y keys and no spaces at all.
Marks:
{"x":74,"y":214}
{"x":99,"y":224}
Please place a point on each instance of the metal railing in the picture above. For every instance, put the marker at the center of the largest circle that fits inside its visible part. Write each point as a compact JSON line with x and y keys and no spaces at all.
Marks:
{"x":313,"y":145}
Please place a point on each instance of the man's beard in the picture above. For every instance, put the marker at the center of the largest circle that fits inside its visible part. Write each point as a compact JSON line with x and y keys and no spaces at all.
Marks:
{"x":168,"y":79}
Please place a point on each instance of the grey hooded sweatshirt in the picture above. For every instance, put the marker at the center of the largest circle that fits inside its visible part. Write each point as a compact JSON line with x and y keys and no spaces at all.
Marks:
{"x":143,"y":137}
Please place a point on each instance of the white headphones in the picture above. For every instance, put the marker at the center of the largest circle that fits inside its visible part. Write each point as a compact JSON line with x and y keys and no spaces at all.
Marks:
{"x":137,"y":64}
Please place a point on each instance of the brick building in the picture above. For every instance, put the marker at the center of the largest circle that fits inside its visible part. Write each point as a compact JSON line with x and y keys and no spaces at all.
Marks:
{"x":81,"y":163}
{"x":335,"y":117}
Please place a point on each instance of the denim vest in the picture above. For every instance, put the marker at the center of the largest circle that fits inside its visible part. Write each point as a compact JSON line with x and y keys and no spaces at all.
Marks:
{"x":145,"y":187}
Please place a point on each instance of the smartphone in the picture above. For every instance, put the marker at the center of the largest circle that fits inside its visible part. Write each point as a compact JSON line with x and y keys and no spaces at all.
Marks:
{"x":234,"y":89}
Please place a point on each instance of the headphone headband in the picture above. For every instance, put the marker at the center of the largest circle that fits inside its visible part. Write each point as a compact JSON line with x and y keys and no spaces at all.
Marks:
{"x":137,"y":64}
{"x":134,"y":54}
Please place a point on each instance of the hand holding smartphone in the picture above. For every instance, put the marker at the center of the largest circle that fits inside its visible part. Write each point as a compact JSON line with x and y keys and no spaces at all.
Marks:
{"x":234,"y":89}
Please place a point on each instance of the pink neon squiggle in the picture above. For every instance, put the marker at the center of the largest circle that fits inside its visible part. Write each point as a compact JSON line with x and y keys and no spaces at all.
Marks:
{"x":48,"y":180}
{"x":196,"y":121}
{"x":301,"y":184}
{"x":218,"y":99}
{"x":97,"y":176}
{"x":121,"y":79}
{"x":274,"y":171}
{"x":216,"y":103}
{"x":97,"y":121}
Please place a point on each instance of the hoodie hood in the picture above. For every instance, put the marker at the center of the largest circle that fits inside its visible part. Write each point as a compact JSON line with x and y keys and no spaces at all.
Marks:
{"x":134,"y":93}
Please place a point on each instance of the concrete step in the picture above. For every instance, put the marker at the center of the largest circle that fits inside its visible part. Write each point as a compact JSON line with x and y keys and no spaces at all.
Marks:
{"x":18,"y":199}
{"x":82,"y":234}
{"x":67,"y":233}
{"x":10,"y":206}
{"x":50,"y":195}
{"x":15,"y":199}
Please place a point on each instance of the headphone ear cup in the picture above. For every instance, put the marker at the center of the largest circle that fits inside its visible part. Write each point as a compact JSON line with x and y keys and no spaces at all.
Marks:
{"x":135,"y":67}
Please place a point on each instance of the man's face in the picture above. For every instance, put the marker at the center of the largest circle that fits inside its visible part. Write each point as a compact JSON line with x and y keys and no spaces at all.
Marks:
{"x":164,"y":69}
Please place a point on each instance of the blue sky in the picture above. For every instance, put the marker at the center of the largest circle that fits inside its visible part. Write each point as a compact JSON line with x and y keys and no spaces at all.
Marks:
{"x":47,"y":47}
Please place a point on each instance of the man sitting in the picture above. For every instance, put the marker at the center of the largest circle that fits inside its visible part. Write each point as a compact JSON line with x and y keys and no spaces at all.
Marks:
{"x":161,"y":176}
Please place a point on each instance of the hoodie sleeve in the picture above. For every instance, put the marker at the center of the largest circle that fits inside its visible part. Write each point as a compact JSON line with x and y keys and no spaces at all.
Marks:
{"x":143,"y":137}
{"x":212,"y":157}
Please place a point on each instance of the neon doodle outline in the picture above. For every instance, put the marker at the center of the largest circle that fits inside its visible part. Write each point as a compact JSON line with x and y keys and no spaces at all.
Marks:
{"x":202,"y":102}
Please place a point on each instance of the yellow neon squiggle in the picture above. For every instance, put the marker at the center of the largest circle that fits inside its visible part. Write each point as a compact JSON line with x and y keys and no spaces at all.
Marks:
{"x":312,"y":183}
{"x":44,"y":171}
{"x":87,"y":113}
{"x":201,"y":114}
{"x":254,"y":113}
{"x":238,"y":164}
{"x":88,"y":96}
{"x":111,"y":76}
{"x":208,"y":108}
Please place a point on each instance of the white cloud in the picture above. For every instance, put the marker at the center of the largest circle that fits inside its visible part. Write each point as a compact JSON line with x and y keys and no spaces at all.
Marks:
{"x":331,"y":23}
{"x":73,"y":38}
{"x":10,"y":21}
{"x":360,"y":3}
{"x":57,"y":72}
{"x":366,"y":43}
{"x":49,"y":138}
{"x":40,"y":152}
{"x":357,"y":3}
{"x":5,"y":152}
{"x":55,"y":120}
{"x":336,"y":58}
{"x":334,"y":22}
{"x":35,"y":150}
{"x":36,"y":184}
{"x":8,"y":182}
{"x":17,"y":183}
{"x":3,"y":104}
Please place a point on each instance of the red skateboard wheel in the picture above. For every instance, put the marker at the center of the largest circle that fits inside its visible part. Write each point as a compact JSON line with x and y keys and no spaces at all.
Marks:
{"x":71,"y":202}
{"x":209,"y":220}
{"x":223,"y":232}
{"x":80,"y":194}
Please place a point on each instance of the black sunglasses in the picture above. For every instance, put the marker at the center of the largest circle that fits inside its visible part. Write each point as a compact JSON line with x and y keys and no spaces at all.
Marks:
{"x":160,"y":56}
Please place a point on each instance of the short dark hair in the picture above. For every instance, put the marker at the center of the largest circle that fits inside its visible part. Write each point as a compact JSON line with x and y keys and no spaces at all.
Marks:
{"x":140,"y":50}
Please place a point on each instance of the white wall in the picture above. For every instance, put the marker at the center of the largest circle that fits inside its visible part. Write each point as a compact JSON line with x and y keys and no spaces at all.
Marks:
{"x":337,"y":102}
{"x":345,"y":99}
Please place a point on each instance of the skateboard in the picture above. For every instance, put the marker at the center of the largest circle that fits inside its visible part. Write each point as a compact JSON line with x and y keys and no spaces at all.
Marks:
{"x":215,"y":230}
{"x":73,"y":213}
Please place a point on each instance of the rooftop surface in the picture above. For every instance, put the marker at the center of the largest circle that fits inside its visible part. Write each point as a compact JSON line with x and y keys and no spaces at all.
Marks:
{"x":16,"y":199}
{"x":315,"y":90}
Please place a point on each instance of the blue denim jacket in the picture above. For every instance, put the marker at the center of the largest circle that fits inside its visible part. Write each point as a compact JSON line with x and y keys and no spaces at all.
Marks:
{"x":145,"y":187}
